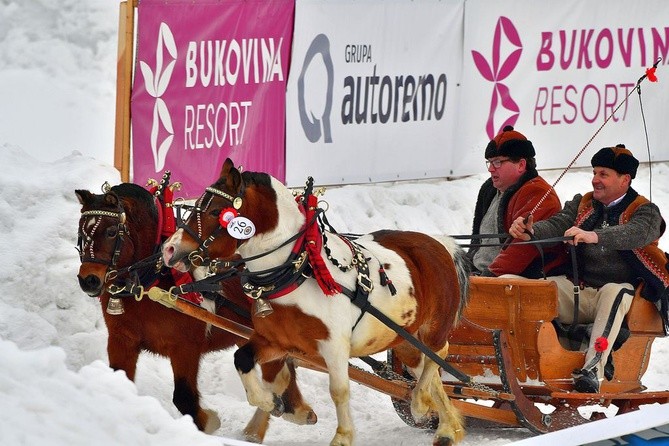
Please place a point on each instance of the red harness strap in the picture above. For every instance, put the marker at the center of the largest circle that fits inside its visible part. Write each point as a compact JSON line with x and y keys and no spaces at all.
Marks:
{"x":167,"y":227}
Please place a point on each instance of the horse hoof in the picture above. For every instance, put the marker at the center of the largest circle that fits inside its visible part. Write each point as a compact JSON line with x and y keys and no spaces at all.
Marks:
{"x":301,"y":417}
{"x":213,"y":422}
{"x":443,"y":441}
{"x":312,"y":418}
{"x":255,"y":430}
{"x":252,"y":438}
{"x":279,"y":407}
{"x":341,"y":439}
{"x":420,"y":419}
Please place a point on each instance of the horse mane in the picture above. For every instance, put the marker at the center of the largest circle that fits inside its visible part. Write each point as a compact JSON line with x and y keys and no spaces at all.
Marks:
{"x":257,"y":178}
{"x":250,"y":178}
{"x":134,"y":192}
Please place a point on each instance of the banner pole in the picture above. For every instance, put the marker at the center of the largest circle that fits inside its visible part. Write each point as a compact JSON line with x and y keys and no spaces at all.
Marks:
{"x":126,"y":29}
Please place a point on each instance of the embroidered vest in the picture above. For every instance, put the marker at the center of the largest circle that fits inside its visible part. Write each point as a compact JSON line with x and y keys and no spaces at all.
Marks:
{"x":649,"y":262}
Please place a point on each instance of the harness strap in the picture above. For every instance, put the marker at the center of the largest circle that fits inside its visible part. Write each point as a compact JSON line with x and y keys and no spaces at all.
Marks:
{"x":208,"y":284}
{"x":291,"y":275}
{"x":577,"y":296}
{"x":545,"y":241}
{"x":362,"y":303}
{"x":222,"y":301}
{"x":472,"y":236}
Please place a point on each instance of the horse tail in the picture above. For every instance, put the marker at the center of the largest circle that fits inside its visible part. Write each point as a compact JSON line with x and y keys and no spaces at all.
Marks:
{"x":461,"y":267}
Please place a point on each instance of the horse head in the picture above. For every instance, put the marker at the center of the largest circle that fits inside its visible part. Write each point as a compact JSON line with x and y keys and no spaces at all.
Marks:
{"x":240,"y":211}
{"x":116,"y":229}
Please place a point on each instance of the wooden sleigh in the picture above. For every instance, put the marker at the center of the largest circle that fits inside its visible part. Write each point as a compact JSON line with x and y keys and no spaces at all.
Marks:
{"x":509,"y":346}
{"x":508,"y":342}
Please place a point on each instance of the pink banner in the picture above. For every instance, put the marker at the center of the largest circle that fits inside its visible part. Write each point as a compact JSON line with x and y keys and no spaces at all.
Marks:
{"x":210,"y":82}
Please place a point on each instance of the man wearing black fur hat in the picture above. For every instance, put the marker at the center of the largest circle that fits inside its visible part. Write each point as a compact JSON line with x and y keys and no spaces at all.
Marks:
{"x":513,"y":189}
{"x":616,"y":231}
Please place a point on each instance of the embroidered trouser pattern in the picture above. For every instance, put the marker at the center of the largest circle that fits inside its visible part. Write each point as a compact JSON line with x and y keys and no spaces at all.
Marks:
{"x":595,"y":306}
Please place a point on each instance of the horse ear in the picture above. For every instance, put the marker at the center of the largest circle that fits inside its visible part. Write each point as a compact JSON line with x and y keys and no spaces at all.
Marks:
{"x":228,"y":165}
{"x":233,"y":179}
{"x":83,"y":196}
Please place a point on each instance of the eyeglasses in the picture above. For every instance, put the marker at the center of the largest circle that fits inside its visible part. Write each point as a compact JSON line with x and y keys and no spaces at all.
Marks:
{"x":495,"y":163}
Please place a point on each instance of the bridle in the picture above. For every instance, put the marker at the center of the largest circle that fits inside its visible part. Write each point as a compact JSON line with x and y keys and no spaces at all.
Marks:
{"x":85,"y":239}
{"x":200,"y":256}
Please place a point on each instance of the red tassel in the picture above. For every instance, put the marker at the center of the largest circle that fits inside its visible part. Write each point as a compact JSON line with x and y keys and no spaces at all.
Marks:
{"x":313,"y":245}
{"x":650,"y":74}
{"x":601,"y":344}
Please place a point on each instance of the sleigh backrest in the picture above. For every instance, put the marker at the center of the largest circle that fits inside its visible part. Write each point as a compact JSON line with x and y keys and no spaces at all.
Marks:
{"x":643,"y":318}
{"x":517,"y":306}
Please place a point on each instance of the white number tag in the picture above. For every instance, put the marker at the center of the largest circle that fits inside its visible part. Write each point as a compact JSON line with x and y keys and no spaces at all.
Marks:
{"x":241,"y":228}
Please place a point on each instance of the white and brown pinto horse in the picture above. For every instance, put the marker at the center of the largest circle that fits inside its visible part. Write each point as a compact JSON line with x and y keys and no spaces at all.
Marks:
{"x":427,"y":297}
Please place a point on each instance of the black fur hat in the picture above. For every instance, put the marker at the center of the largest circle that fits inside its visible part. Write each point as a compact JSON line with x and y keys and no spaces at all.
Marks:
{"x":510,"y":143}
{"x":617,"y":158}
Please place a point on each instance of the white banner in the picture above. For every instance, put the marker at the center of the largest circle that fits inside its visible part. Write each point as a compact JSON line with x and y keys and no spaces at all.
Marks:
{"x":556,"y":71}
{"x":372,"y":92}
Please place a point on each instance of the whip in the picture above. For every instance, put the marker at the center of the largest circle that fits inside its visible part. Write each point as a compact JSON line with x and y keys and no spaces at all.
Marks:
{"x":650,"y":74}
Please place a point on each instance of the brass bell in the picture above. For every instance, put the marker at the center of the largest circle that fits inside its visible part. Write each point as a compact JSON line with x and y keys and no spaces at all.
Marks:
{"x":115,"y":306}
{"x":262,"y":307}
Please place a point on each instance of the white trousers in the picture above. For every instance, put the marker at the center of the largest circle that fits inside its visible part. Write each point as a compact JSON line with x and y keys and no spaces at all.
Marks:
{"x":595,"y":306}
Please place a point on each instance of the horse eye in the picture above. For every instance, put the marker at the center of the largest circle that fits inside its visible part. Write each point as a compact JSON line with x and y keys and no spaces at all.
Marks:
{"x":215,"y":212}
{"x":111,"y":232}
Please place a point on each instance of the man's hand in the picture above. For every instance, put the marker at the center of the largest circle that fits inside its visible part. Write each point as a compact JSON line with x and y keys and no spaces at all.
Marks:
{"x":580,"y":236}
{"x":522,"y":228}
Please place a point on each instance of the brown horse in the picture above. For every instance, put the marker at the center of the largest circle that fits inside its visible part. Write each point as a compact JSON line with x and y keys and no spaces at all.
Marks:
{"x":120,"y":228}
{"x":417,"y":281}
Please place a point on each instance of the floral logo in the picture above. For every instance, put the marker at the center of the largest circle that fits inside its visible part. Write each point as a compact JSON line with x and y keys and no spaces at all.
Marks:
{"x":156,"y":83}
{"x":498,"y":71}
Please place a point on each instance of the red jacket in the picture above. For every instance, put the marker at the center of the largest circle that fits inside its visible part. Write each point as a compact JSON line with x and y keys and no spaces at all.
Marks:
{"x":518,"y":201}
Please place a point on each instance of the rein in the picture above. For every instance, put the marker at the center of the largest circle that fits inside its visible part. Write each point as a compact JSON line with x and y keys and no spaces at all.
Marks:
{"x":545,"y":241}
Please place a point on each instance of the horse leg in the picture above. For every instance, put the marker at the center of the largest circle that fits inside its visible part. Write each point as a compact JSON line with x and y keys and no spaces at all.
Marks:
{"x":257,"y":426}
{"x":411,"y":357}
{"x":450,"y":429}
{"x":336,"y":358}
{"x":257,"y":349}
{"x":186,"y":397}
{"x":451,"y":426}
{"x":281,"y":379}
{"x":123,"y":355}
{"x":421,"y":399}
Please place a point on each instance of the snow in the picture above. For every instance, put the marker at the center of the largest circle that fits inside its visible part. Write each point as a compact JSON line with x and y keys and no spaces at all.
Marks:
{"x":57,"y":82}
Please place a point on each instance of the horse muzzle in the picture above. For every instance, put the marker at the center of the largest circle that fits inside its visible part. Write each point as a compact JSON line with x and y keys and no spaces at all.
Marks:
{"x":174,"y":258}
{"x":91,"y":285}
